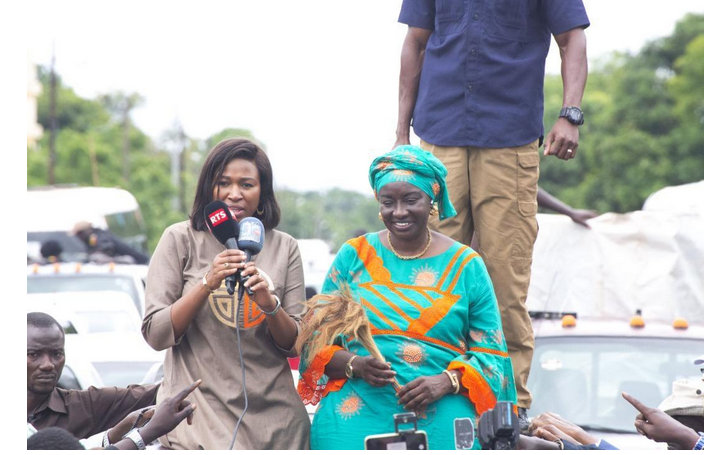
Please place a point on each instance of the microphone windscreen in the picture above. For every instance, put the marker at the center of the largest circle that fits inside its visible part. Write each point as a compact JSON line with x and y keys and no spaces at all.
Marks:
{"x":251,"y":236}
{"x":220,"y":222}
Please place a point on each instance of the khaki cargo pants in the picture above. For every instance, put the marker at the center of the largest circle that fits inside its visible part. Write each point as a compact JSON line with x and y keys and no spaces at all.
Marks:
{"x":494,"y":192}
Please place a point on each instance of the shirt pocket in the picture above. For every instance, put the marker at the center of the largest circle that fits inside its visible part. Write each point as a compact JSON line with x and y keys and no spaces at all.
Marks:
{"x":451,"y":16}
{"x":510,"y":21}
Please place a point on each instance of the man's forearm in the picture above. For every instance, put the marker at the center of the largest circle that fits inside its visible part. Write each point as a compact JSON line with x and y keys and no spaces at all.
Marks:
{"x":412,"y":55}
{"x":574,"y":67}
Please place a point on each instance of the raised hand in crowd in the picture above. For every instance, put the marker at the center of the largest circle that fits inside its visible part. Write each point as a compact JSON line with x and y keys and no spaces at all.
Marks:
{"x":660,"y":427}
{"x":166,"y":417}
{"x":551,"y":426}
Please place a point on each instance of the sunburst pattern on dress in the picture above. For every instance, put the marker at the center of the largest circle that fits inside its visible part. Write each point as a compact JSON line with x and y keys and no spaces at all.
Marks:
{"x":350,"y":406}
{"x":424,"y":276}
{"x":412,"y":353}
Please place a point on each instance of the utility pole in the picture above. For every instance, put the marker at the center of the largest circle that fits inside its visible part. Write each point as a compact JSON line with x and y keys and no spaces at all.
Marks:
{"x":52,"y":119}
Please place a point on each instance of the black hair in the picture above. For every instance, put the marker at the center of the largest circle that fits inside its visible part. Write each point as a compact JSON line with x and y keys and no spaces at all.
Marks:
{"x":42,"y":321}
{"x":50,"y":248}
{"x":53,"y":438}
{"x":216,"y":161}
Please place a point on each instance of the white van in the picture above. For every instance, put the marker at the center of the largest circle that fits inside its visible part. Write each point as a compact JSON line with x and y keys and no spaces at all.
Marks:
{"x":62,"y":207}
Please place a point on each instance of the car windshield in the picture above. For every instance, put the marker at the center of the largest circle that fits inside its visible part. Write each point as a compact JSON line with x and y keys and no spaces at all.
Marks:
{"x":101,"y":321}
{"x":80,"y":283}
{"x":581,"y":378}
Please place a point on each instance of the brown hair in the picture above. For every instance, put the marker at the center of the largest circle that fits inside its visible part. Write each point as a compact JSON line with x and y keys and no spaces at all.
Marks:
{"x":216,"y":161}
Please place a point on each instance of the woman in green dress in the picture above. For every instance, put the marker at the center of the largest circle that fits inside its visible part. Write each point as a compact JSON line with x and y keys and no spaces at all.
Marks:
{"x":433,"y":315}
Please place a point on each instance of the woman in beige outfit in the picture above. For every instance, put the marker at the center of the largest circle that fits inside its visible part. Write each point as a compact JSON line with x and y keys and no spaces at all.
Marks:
{"x":189,"y":313}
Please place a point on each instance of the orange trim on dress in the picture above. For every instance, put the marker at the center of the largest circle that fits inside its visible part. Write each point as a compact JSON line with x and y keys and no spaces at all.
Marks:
{"x":430,"y":316}
{"x":391,"y":305}
{"x":451,"y":263}
{"x":377,"y":313}
{"x":478,"y":390}
{"x":309,"y":390}
{"x":462,"y":266}
{"x":419,"y":337}
{"x":368,"y":256}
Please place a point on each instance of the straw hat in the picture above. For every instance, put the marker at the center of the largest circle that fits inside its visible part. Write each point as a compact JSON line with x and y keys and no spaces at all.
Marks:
{"x":686,"y":399}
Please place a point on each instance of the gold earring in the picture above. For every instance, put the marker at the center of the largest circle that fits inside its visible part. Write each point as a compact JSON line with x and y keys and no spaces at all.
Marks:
{"x":379,"y":215}
{"x":260,"y":212}
{"x":434,"y":211}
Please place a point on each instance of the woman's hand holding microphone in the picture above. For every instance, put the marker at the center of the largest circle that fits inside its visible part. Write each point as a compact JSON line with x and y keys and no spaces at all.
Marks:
{"x":230,"y":262}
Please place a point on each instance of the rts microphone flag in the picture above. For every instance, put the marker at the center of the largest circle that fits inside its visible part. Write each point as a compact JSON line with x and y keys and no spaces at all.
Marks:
{"x":225,"y":228}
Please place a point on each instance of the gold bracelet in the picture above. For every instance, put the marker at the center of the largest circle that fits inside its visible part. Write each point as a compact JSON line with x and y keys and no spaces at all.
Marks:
{"x":453,"y":381}
{"x":205,"y":284}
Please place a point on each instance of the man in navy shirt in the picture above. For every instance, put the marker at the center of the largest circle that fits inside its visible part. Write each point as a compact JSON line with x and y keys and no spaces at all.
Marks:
{"x":471,"y":80}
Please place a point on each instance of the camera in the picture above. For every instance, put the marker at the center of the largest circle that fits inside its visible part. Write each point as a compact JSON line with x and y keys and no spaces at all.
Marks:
{"x":403,"y":438}
{"x":499,"y":428}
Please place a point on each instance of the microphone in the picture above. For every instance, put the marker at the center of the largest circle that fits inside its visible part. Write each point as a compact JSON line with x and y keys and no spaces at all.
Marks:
{"x":226,"y":229}
{"x":251,"y":236}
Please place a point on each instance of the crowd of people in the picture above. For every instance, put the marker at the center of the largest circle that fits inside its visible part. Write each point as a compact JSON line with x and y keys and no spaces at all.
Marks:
{"x":451,"y":332}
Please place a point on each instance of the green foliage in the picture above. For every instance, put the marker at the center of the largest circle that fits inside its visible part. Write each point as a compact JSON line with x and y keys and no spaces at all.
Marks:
{"x":643,"y":125}
{"x":335,"y":215}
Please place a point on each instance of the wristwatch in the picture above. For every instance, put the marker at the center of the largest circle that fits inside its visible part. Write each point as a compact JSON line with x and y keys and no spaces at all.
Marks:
{"x":573,"y":114}
{"x":134,"y":436}
{"x":349,"y":367}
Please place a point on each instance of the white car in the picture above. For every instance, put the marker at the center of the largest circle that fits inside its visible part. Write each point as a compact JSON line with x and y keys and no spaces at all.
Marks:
{"x":580,"y":371}
{"x":80,"y":277}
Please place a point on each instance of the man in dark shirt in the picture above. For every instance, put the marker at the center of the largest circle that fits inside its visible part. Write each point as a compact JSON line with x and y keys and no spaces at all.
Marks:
{"x":471,"y":78}
{"x":81,"y":412}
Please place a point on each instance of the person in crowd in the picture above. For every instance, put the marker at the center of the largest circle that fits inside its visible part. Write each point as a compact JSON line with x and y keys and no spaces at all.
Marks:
{"x":137,"y":434}
{"x":547,"y":201}
{"x":678,"y":421}
{"x":433,"y":315}
{"x":53,"y":438}
{"x":104,"y":246}
{"x":51,"y":251}
{"x":81,"y":412}
{"x":190,"y":314}
{"x":471,"y":79}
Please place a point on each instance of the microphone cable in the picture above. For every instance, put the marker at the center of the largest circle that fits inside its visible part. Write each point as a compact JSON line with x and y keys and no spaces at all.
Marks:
{"x":240,"y":295}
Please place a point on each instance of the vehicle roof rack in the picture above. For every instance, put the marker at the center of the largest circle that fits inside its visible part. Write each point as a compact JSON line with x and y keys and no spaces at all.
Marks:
{"x":551,"y":315}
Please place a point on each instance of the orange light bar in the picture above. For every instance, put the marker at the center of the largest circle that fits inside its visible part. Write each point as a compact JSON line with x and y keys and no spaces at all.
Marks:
{"x":568,"y":321}
{"x":35,"y":268}
{"x":637,"y":322}
{"x":57,"y":267}
{"x":78,"y":267}
{"x":111,"y":267}
{"x":680,"y":324}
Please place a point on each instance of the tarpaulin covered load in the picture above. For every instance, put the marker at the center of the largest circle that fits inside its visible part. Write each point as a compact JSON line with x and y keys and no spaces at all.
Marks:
{"x":650,"y":260}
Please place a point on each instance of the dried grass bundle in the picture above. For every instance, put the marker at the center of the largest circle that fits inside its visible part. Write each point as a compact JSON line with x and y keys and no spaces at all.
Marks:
{"x":328,"y":317}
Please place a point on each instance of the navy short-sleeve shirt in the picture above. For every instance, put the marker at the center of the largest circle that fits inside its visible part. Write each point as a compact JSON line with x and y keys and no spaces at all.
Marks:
{"x":482,"y":78}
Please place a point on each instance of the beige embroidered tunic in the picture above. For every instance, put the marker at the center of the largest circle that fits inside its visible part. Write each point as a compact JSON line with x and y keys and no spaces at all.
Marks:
{"x":276,"y":418}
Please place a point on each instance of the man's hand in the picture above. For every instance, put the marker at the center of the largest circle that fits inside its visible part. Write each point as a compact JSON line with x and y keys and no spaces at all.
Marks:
{"x":401,"y":141}
{"x":169,"y":414}
{"x":422,"y":391}
{"x":660,"y":427}
{"x":551,"y":426}
{"x":135,"y":419}
{"x":562,"y":141}
{"x":581,"y":216}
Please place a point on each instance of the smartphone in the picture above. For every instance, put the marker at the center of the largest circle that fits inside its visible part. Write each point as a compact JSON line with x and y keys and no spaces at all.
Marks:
{"x":464,"y":432}
{"x":412,"y":440}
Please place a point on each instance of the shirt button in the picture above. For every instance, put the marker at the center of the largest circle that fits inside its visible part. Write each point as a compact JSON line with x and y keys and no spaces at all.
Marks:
{"x":476,"y":16}
{"x":470,"y":87}
{"x":473,"y":51}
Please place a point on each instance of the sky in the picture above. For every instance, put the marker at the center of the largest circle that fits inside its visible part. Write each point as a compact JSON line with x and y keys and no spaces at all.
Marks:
{"x":315,"y":81}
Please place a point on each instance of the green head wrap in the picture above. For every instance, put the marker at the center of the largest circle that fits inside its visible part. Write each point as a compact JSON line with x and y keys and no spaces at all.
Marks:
{"x":414,"y":165}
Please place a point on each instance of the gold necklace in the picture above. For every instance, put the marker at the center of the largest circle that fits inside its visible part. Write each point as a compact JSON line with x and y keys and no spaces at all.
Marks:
{"x":415,"y":256}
